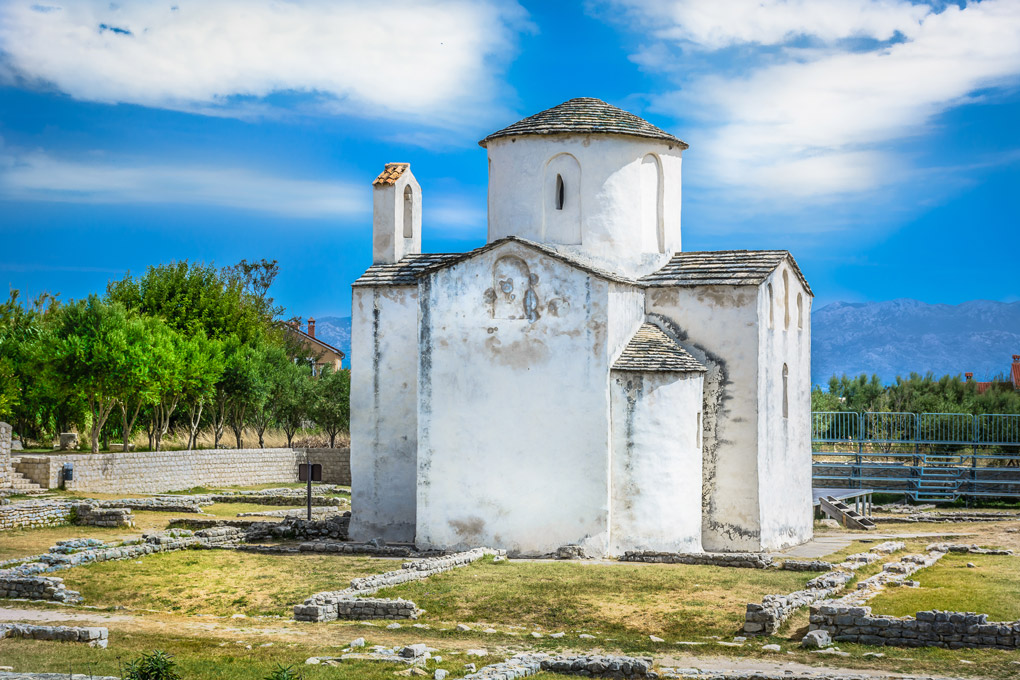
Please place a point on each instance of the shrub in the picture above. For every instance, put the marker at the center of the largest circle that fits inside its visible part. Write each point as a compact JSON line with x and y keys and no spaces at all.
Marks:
{"x":284,"y":673}
{"x":155,"y":666}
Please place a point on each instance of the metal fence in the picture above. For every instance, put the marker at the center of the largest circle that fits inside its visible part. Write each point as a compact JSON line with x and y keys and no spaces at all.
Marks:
{"x":928,"y":456}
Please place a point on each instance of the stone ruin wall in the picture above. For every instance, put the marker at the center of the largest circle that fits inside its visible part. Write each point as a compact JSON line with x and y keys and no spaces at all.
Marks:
{"x":162,"y":471}
{"x":954,"y":630}
{"x":5,"y":456}
{"x":41,"y":513}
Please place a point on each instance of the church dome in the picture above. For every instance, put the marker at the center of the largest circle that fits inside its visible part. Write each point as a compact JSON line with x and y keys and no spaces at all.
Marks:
{"x":587,"y":116}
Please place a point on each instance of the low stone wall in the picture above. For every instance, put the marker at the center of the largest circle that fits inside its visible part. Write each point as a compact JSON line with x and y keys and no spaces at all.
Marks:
{"x":30,"y":514}
{"x":807,"y":565}
{"x":162,"y":471}
{"x":335,"y":527}
{"x":5,"y":456}
{"x":766,"y":617}
{"x":954,"y":630}
{"x":590,"y":666}
{"x":330,"y":605}
{"x":48,"y":588}
{"x":96,"y":516}
{"x":40,"y":513}
{"x":276,"y":499}
{"x":376,"y":608}
{"x":92,"y":636}
{"x":743,"y":560}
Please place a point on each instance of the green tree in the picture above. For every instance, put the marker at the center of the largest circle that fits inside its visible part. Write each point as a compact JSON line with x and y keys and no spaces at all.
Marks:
{"x":203,"y":367}
{"x":332,"y":406}
{"x":273,"y":365}
{"x":137,"y":388}
{"x":195,"y":297}
{"x":167,"y":375}
{"x":87,"y":355}
{"x":242,"y":388}
{"x":292,"y":401}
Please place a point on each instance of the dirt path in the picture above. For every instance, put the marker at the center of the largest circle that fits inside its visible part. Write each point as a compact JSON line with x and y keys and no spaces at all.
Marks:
{"x":736,"y":664}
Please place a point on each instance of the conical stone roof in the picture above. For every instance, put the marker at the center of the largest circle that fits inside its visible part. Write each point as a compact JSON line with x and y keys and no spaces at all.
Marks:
{"x":584,"y":115}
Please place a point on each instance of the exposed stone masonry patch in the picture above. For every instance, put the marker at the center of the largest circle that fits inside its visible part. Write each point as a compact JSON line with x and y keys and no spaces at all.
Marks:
{"x":744,"y":560}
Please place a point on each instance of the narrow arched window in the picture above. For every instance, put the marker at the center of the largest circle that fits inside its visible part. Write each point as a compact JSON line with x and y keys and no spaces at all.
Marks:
{"x":699,"y":429}
{"x":560,"y":192}
{"x":408,"y":212}
{"x":786,"y":391}
{"x":786,"y":300}
{"x":771,"y":305}
{"x":800,"y":311}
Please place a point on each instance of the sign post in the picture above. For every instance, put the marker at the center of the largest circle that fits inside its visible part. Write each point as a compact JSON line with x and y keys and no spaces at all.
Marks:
{"x":309,"y":473}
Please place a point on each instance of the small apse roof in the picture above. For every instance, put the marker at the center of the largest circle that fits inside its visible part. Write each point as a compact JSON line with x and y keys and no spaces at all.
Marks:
{"x":584,"y":115}
{"x":652,"y":350}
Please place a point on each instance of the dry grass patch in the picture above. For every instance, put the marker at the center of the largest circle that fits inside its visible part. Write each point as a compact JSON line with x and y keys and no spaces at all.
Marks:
{"x":992,"y":588}
{"x":220,"y":582}
{"x":673,"y":601}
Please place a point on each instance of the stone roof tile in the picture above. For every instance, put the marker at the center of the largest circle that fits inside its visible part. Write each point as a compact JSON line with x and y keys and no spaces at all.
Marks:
{"x":405,"y":272}
{"x":652,"y":350}
{"x":721,"y":267}
{"x":584,"y":115}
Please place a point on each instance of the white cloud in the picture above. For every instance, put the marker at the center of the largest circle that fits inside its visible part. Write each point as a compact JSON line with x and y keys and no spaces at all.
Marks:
{"x":822,"y":117}
{"x":714,"y":25}
{"x":437,"y":61}
{"x":37,"y":176}
{"x":97,"y":179}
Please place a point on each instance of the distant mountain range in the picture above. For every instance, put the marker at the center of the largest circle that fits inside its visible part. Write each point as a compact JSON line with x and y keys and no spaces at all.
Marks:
{"x":903,"y":336}
{"x":891,"y":338}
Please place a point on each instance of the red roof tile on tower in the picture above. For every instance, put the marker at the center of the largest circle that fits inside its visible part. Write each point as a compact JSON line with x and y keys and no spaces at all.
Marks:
{"x":390,"y":174}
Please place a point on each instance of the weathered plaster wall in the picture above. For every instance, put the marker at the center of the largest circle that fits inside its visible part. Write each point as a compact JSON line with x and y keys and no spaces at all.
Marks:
{"x":656,"y":462}
{"x":718,"y":325}
{"x":784,"y":465}
{"x":626,"y":225}
{"x":513,"y":421}
{"x":384,"y":440}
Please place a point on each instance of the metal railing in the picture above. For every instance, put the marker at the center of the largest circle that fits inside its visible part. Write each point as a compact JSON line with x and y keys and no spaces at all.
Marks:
{"x":927,"y":456}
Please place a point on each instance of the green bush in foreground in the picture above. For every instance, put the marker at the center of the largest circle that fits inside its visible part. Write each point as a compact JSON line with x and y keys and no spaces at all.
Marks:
{"x":154,"y":666}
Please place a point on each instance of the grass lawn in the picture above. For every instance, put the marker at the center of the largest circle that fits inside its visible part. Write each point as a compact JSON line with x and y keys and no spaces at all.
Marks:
{"x":219,"y":582}
{"x":675,"y":601}
{"x":992,"y":588}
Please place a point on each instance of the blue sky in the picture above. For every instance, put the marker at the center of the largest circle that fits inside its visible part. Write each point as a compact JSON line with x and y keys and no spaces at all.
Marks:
{"x":876,"y":140}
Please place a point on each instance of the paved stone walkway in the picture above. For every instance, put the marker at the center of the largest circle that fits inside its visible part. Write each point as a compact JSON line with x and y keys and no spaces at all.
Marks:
{"x":826,"y":544}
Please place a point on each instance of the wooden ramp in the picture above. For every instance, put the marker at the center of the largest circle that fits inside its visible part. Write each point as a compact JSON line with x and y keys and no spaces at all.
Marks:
{"x":845,"y":515}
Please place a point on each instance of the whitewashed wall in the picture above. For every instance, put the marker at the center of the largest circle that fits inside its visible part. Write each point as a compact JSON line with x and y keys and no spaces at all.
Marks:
{"x":784,"y":468}
{"x":384,"y":358}
{"x":656,"y":462}
{"x":513,"y":421}
{"x":720,"y":325}
{"x":618,"y":207}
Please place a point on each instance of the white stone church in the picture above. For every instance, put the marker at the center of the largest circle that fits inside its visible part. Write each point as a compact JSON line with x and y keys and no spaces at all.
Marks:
{"x":580,"y":379}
